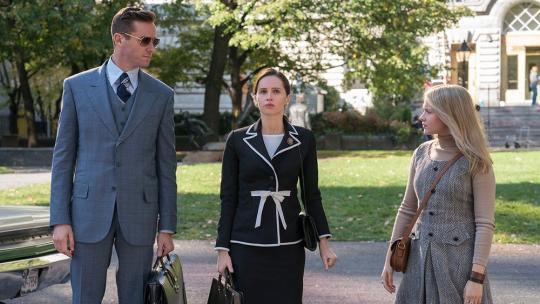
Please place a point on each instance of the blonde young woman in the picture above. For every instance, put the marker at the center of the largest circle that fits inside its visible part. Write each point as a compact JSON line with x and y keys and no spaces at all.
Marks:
{"x":452,"y":239}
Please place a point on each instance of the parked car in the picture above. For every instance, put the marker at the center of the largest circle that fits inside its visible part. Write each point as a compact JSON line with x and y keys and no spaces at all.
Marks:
{"x":28,"y":259}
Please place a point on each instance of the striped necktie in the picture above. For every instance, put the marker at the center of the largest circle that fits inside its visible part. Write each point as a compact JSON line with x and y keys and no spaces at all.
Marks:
{"x":122,"y":90}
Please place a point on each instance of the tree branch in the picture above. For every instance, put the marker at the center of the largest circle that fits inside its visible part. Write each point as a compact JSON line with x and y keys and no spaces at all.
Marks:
{"x":253,"y":73}
{"x":227,"y":87}
{"x":245,"y":14}
{"x":242,"y":58}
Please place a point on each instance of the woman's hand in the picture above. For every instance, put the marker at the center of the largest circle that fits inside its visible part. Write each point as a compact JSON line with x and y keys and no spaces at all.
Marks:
{"x":472,"y":293}
{"x":328,"y":257}
{"x":224,"y":261}
{"x":387,"y":278}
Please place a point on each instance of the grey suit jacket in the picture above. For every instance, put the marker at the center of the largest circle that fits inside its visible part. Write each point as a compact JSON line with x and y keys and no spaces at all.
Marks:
{"x":95,"y":167}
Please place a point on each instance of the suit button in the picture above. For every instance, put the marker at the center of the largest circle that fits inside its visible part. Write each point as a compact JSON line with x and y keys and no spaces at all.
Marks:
{"x":271,"y":177}
{"x":113,"y":188}
{"x":117,"y":164}
{"x":435,"y":169}
{"x":433,"y":191}
{"x":430,"y":234}
{"x":431,"y":213}
{"x":123,"y":108}
{"x":456,"y":239}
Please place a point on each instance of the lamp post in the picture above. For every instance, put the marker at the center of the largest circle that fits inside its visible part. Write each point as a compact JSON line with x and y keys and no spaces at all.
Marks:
{"x":463,"y":57}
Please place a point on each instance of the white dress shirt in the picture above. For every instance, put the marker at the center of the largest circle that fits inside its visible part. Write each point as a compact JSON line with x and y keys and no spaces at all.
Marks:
{"x":114,"y":72}
{"x":272,"y":141}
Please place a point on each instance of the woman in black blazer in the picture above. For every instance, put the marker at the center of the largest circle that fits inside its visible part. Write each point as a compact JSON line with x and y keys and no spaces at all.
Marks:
{"x":260,"y":236}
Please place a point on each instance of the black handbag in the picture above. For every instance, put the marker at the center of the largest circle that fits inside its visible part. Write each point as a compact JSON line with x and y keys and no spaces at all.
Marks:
{"x":166,"y":282}
{"x":311,"y":235}
{"x":224,"y":292}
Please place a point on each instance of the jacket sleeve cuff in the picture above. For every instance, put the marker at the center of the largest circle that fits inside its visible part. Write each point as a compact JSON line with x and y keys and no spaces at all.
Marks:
{"x":221,"y":248}
{"x":59,"y":219}
{"x":167,"y":223}
{"x":325,"y":236}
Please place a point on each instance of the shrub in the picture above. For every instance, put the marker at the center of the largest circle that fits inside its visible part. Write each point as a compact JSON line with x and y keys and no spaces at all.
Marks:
{"x":353,"y":123}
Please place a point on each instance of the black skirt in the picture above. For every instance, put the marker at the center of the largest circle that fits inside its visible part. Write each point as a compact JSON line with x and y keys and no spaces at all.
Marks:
{"x":269,"y":275}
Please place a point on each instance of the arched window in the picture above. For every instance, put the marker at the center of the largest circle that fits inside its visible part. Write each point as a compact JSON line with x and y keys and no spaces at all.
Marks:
{"x":522,"y":17}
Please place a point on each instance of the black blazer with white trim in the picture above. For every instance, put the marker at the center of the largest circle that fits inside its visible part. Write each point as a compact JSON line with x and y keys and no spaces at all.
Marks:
{"x":259,"y":201}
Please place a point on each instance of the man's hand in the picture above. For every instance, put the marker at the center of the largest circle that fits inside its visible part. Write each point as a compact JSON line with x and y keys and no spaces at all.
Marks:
{"x":164,"y":244}
{"x":63,"y":239}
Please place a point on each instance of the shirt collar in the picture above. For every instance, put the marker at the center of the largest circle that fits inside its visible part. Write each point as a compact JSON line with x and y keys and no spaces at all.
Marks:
{"x":114,"y":72}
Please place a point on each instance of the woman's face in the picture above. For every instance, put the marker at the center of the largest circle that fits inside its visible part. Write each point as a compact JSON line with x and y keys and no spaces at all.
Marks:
{"x":271,"y":97}
{"x":431,"y":122}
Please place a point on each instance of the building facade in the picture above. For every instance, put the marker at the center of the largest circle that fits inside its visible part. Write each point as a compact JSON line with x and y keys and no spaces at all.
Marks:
{"x":503,"y":38}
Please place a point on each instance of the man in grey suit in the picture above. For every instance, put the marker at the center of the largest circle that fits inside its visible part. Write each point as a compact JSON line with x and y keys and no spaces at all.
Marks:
{"x":114,"y":165}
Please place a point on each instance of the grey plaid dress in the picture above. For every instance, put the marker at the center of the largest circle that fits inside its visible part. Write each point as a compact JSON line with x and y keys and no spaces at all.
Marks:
{"x":443,"y":242}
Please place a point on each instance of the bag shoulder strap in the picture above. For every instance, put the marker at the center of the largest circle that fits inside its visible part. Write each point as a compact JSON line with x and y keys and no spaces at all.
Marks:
{"x":302,"y":185}
{"x":428,"y":194}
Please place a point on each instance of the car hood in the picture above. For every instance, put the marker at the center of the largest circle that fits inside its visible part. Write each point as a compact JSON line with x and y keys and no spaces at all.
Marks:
{"x":17,"y":218}
{"x":24,"y":232}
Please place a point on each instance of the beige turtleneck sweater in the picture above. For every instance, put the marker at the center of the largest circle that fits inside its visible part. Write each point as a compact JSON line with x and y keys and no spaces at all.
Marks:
{"x":444,"y":148}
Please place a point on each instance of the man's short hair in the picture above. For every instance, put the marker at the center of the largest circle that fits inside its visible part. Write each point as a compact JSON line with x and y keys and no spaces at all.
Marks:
{"x":122,"y":22}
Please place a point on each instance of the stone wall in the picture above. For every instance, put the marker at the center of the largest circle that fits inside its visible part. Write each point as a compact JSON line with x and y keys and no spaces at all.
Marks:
{"x":26,"y":157}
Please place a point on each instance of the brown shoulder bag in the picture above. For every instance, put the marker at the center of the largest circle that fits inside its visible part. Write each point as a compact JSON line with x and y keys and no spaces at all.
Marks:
{"x":401,"y":247}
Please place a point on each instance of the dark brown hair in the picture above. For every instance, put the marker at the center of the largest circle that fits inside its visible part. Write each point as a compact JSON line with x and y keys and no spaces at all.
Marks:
{"x":122,"y":22}
{"x":272,"y":72}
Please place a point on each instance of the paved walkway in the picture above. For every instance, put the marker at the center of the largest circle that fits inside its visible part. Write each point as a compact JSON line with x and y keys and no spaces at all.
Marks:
{"x":24,"y":177}
{"x":513,"y":270}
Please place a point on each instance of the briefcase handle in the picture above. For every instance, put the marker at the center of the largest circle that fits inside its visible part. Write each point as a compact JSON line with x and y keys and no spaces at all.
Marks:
{"x":168,"y":273}
{"x":160,"y":260}
{"x":228,"y":278}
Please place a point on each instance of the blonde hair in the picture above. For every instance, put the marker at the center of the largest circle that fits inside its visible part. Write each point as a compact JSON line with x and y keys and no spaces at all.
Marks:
{"x":454,"y":107}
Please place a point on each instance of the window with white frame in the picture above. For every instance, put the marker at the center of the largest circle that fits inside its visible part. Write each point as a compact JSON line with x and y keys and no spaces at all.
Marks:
{"x":523,"y":17}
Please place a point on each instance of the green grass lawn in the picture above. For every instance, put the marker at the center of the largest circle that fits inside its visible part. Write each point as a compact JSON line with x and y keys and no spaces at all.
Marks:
{"x":4,"y":170}
{"x":361,"y":191}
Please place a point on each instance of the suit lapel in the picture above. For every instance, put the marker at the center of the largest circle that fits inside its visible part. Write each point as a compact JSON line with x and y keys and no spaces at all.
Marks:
{"x":255,"y":141}
{"x":289,"y":140}
{"x":144,"y":99}
{"x":100,"y":99}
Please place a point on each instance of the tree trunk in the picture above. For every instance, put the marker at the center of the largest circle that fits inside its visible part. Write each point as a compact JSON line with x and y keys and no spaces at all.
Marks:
{"x":75,"y":69}
{"x":236,"y":85}
{"x":13,"y":111}
{"x":28,"y":101}
{"x":214,"y":79}
{"x":42,"y":114}
{"x":13,"y":92}
{"x":248,"y":107}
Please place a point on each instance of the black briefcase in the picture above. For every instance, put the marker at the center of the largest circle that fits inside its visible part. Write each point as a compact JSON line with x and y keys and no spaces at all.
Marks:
{"x":224,"y":292}
{"x":166,"y":283}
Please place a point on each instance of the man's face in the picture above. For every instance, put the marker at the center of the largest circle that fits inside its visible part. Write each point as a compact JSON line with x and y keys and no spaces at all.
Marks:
{"x":131,"y":49}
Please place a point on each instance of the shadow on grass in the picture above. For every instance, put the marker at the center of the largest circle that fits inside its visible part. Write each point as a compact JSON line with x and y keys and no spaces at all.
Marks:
{"x":33,"y":202}
{"x":322,"y":154}
{"x":525,"y":191}
{"x":198,"y":215}
{"x":517,"y":213}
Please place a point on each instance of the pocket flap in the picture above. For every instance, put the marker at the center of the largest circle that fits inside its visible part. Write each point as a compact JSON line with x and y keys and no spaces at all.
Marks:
{"x":150,"y":194}
{"x":80,"y":190}
{"x":456,"y":236}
